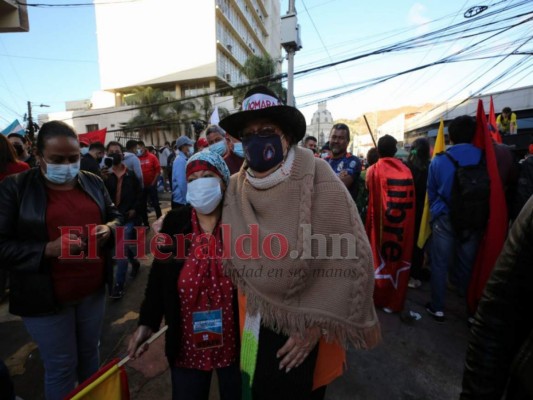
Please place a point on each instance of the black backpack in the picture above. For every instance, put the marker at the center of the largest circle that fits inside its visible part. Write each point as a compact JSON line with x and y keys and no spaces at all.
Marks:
{"x":469,"y":200}
{"x":524,"y":186}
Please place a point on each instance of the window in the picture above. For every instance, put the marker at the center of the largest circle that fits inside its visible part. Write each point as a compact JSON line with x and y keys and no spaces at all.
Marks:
{"x":195,"y":90}
{"x":91,"y":127}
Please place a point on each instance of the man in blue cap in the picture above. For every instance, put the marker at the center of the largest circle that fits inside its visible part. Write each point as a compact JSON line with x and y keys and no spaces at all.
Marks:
{"x":185,"y":149}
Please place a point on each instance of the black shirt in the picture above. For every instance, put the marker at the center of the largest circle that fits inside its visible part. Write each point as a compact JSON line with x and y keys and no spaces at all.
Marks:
{"x":89,"y":163}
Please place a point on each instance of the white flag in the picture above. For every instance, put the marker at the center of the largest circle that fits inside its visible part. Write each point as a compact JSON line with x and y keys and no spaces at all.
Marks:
{"x":215,"y":119}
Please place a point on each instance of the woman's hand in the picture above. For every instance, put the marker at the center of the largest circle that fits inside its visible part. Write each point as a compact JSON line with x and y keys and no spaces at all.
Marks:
{"x":69,"y":244}
{"x":102,"y":233}
{"x":141,"y":335}
{"x":297,"y":348}
{"x":157,"y":225}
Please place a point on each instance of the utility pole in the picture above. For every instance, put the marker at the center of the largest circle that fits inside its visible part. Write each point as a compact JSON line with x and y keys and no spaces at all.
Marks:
{"x":31,"y":129}
{"x":290,"y":58}
{"x":31,"y":126}
{"x":290,"y":40}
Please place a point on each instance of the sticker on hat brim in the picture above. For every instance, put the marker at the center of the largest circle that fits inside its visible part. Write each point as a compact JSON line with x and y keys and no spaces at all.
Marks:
{"x":259,"y":101}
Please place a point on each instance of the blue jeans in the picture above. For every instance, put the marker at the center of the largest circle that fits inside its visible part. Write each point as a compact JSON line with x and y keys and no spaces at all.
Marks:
{"x":122,"y":264}
{"x":447,"y":247}
{"x":68,"y":342}
{"x":194,"y":384}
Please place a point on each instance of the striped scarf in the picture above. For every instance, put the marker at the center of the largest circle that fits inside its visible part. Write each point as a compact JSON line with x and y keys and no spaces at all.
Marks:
{"x":249,"y":348}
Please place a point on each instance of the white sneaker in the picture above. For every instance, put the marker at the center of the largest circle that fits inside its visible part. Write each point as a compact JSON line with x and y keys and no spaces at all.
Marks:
{"x":414,"y":283}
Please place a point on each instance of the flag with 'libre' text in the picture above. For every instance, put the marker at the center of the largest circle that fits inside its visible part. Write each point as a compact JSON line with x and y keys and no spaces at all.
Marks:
{"x":390,"y":224}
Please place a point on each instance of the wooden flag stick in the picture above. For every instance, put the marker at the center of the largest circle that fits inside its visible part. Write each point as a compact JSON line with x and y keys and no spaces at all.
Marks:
{"x":370,"y":131}
{"x":149,"y":341}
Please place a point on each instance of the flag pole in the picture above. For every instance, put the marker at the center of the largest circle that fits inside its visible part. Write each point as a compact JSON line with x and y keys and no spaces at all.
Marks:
{"x":370,"y":131}
{"x":151,"y":339}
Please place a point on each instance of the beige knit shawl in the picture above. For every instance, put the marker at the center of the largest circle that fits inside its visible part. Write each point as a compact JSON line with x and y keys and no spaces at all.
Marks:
{"x":292,"y":293}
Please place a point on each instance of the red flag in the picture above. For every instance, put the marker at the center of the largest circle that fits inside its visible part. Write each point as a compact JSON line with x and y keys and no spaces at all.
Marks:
{"x":494,"y":237}
{"x":493,"y":127}
{"x":390,"y":227}
{"x":94,"y":136}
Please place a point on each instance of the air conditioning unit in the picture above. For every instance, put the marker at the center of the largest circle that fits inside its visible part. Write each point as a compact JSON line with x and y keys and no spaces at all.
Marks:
{"x":228,"y":77}
{"x":229,"y":47}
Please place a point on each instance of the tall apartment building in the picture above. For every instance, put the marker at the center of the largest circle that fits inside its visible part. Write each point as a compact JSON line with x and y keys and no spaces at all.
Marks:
{"x":183,"y":47}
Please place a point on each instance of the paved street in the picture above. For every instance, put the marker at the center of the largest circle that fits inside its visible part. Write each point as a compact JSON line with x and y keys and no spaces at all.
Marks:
{"x":419,"y":361}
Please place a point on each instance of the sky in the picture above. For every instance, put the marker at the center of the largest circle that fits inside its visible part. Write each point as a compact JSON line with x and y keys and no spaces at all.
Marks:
{"x":57,"y":60}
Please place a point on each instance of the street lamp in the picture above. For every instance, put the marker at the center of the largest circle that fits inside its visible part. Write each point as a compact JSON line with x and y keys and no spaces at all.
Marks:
{"x":31,"y":127}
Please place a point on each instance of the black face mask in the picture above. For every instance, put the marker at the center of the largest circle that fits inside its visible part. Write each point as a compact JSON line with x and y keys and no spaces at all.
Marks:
{"x":117,"y":158}
{"x":19,"y":149}
{"x":99,"y":159}
{"x":263,"y":152}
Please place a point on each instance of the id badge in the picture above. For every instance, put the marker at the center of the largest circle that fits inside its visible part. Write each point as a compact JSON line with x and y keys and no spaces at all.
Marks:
{"x":207,"y":329}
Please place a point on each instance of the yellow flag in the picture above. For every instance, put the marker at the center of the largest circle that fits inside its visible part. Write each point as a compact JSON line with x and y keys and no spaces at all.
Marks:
{"x":107,"y":383}
{"x":425,"y":228}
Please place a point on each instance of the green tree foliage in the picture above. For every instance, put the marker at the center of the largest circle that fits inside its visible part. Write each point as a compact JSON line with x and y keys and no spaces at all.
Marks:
{"x":206,"y":109}
{"x":259,"y":71}
{"x":160,"y":114}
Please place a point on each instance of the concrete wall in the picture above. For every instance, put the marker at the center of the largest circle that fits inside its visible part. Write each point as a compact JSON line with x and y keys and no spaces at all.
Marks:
{"x":109,"y":118}
{"x":143,"y":40}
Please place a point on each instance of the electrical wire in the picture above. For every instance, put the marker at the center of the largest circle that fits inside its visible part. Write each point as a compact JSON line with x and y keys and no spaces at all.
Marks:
{"x":510,"y":69}
{"x":71,"y":5}
{"x":280,"y":76}
{"x":414,"y":69}
{"x":420,"y":79}
{"x":321,"y":40}
{"x":47,"y":59}
{"x":409,"y":44}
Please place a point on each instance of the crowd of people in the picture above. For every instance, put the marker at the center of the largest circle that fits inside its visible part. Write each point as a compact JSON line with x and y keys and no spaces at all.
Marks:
{"x":255,"y":277}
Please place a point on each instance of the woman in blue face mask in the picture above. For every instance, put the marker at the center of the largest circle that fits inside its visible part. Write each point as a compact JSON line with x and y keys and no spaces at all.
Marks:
{"x":191,"y":291}
{"x":46,"y":213}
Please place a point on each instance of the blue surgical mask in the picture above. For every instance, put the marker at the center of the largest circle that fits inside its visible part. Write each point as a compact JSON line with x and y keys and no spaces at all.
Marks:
{"x":139,"y":152}
{"x":61,"y":173}
{"x":204,"y":194}
{"x":263,"y":152}
{"x":84,"y":150}
{"x":219,"y":148}
{"x":237,"y":149}
{"x":191,"y":151}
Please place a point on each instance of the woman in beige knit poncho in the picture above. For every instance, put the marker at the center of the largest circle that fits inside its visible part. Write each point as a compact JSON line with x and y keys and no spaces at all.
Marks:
{"x":299,"y":256}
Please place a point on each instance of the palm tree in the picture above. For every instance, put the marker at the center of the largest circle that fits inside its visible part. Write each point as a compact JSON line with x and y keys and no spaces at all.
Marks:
{"x":259,"y":71}
{"x":183,"y":113}
{"x":153,"y":112}
{"x":207,"y":109}
{"x":160,"y":116}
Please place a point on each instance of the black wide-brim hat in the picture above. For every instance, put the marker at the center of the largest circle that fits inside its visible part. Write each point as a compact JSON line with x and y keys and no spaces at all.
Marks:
{"x":260,"y":102}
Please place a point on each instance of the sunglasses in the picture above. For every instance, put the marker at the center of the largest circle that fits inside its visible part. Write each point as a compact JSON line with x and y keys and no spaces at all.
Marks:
{"x":261,"y":132}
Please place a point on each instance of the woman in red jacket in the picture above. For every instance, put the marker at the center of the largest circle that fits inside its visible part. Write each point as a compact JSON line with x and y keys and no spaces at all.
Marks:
{"x":8,"y":166}
{"x":8,"y":160}
{"x":192,"y":293}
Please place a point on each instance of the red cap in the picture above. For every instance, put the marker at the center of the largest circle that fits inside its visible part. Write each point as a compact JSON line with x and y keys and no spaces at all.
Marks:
{"x":201,"y":165}
{"x":202,"y":142}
